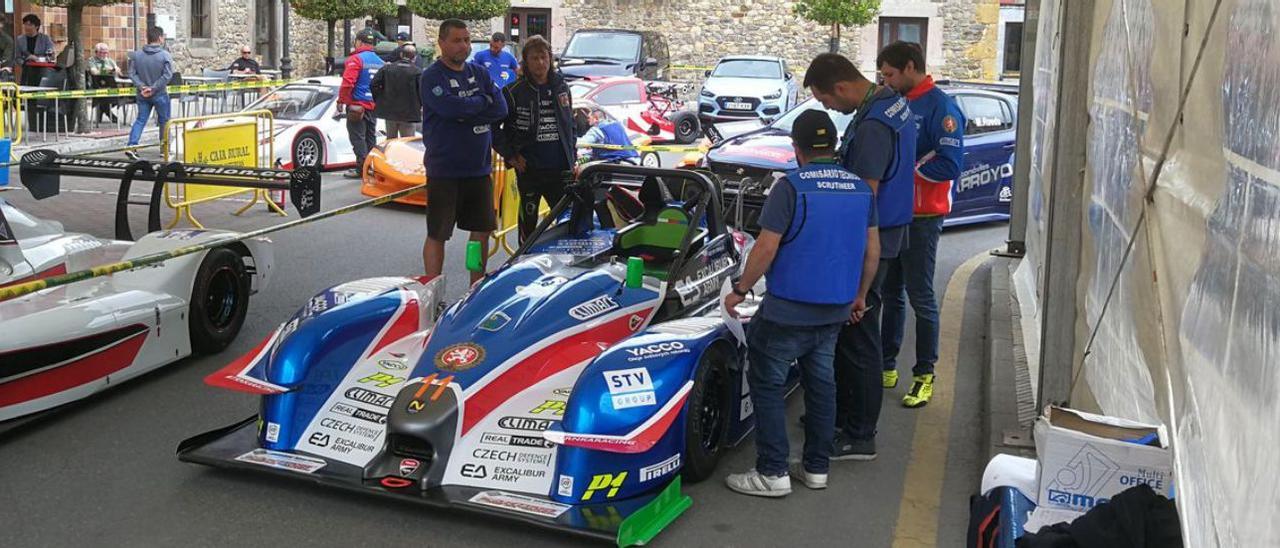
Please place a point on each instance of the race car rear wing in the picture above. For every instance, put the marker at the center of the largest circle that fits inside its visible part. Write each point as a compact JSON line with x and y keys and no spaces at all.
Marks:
{"x":41,"y":171}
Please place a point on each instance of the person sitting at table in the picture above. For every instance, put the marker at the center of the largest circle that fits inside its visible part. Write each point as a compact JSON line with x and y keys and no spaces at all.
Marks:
{"x":245,"y":64}
{"x":103,"y":72}
{"x":35,"y":49}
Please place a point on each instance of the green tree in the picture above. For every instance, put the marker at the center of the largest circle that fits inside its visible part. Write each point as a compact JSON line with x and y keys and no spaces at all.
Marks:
{"x":467,"y":10}
{"x":837,"y":13}
{"x":332,"y":11}
{"x":75,"y":18}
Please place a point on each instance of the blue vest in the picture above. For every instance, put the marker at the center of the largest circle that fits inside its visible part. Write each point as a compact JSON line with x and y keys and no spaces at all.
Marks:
{"x":614,"y":135}
{"x":896,"y":196}
{"x":820,"y":258}
{"x":370,"y":65}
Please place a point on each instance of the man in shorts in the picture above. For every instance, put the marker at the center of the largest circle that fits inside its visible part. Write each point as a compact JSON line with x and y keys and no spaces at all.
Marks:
{"x":459,"y":102}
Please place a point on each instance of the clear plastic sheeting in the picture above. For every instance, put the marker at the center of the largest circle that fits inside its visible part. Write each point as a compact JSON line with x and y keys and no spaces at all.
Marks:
{"x":1230,"y":328}
{"x":1045,"y":103}
{"x":1119,"y":108}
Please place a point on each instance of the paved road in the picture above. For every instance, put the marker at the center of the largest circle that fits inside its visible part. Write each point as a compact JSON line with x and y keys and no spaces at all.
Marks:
{"x":104,"y":470}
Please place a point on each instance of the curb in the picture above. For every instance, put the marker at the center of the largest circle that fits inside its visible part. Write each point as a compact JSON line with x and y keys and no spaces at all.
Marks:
{"x":1005,"y":422}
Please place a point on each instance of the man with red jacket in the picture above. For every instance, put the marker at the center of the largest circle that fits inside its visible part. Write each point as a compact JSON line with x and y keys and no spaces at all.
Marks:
{"x":939,"y":157}
{"x":356,"y":96}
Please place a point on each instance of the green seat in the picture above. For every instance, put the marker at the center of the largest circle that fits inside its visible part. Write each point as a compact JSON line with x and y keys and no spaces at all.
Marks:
{"x":656,"y":242}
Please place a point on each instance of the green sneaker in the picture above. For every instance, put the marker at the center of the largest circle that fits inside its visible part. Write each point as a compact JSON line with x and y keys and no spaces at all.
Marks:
{"x":889,"y":379}
{"x":921,"y":391}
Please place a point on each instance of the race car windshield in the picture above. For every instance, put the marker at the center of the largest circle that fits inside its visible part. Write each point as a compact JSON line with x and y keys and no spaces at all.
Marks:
{"x":296,"y":103}
{"x":604,"y":45}
{"x":748,"y":68}
{"x":841,"y":120}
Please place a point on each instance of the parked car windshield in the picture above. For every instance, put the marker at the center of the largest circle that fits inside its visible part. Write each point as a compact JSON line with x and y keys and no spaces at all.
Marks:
{"x":296,"y":102}
{"x":748,"y":68}
{"x":841,"y":120}
{"x":614,"y":46}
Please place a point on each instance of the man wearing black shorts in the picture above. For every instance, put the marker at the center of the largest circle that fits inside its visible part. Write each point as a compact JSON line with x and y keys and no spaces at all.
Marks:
{"x":459,"y":102}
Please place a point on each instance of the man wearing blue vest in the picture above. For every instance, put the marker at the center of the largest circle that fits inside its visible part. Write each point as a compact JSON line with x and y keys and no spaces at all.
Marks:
{"x":498,"y":61}
{"x":880,"y":147}
{"x":356,"y":96}
{"x":600,"y":129}
{"x":819,"y":244}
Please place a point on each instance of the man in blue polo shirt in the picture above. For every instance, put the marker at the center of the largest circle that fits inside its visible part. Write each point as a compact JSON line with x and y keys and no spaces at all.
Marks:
{"x":819,"y":244}
{"x":880,"y":147}
{"x":498,"y":61}
{"x":459,"y":102}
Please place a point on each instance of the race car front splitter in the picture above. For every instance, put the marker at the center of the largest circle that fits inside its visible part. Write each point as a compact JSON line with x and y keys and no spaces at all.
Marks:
{"x":628,"y":522}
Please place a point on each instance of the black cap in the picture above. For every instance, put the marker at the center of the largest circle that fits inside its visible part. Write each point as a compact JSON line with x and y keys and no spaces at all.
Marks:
{"x":499,"y":37}
{"x":402,"y":36}
{"x":367,"y":35}
{"x":814,"y":130}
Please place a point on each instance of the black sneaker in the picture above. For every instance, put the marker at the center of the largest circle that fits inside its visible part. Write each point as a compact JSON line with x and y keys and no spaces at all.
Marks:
{"x":851,"y":449}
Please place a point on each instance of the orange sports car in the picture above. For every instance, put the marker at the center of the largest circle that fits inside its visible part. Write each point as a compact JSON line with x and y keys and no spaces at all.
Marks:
{"x":393,"y":165}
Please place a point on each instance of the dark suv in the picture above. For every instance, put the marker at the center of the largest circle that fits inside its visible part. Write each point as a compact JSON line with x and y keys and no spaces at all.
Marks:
{"x":613,"y":52}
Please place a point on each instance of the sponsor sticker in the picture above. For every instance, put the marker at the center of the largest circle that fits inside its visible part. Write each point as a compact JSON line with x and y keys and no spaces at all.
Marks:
{"x":565,"y":486}
{"x":514,"y":440}
{"x":370,"y":397}
{"x":495,"y":321}
{"x":459,"y":357}
{"x":656,"y":350}
{"x":949,"y":124}
{"x":394,"y":365}
{"x":593,"y":308}
{"x":520,"y":503}
{"x":282,"y":461}
{"x":555,"y":407}
{"x":409,"y":466}
{"x":608,"y":483}
{"x":634,"y":322}
{"x":273,"y":432}
{"x":524,"y":423}
{"x":509,"y":455}
{"x":631,"y":387}
{"x":477,"y":471}
{"x":655,"y":471}
{"x":382,"y":380}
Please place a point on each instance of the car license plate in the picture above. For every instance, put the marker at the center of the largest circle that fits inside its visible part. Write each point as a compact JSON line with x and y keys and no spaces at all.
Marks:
{"x":737,"y":106}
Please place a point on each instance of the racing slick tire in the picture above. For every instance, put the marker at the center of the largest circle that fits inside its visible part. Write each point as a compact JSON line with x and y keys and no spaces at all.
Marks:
{"x":686,"y":127}
{"x":219,"y":301}
{"x":706,"y":428}
{"x":650,"y":159}
{"x":308,"y":151}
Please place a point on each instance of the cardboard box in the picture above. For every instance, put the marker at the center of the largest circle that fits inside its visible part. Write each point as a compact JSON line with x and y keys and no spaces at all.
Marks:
{"x":1086,"y":459}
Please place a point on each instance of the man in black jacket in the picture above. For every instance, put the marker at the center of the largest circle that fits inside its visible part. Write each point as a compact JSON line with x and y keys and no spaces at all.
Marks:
{"x":395,"y":91}
{"x":537,"y":137}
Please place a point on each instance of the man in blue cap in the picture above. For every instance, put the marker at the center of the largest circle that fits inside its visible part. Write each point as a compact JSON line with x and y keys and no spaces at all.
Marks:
{"x":820,"y":245}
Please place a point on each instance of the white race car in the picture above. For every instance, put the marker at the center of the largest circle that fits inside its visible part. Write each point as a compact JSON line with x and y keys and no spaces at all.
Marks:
{"x":65,"y":343}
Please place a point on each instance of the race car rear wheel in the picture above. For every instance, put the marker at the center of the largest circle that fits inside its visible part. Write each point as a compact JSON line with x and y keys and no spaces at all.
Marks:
{"x":219,"y":301}
{"x":686,"y":126}
{"x":308,"y":151}
{"x":707,"y":412}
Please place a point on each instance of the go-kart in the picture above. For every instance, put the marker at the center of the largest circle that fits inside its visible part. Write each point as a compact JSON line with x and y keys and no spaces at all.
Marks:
{"x":570,"y":389}
{"x":666,"y":120}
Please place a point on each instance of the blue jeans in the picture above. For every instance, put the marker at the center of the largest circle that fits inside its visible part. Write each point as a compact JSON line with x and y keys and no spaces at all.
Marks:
{"x":160,"y":103}
{"x":771,"y":349}
{"x":910,"y":276}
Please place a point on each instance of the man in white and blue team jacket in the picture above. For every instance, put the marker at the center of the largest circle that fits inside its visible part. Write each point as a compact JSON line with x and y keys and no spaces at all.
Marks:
{"x":459,"y":102}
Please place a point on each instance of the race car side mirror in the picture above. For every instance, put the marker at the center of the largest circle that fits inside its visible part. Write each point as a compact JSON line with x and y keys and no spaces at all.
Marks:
{"x":475,"y":258}
{"x":706,"y":72}
{"x":635,"y":272}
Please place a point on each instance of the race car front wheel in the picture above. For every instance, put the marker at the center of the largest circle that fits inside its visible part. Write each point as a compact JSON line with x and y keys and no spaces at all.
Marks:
{"x":686,"y":126}
{"x":707,"y":413}
{"x":308,"y":151}
{"x":219,"y":301}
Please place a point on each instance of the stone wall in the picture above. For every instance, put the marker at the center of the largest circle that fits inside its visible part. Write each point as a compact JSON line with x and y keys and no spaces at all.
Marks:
{"x":970,"y":29}
{"x":699,"y":32}
{"x":233,"y":24}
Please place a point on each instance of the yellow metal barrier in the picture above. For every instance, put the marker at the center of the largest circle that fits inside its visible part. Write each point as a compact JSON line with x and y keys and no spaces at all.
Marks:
{"x":243,"y":139}
{"x":506,"y":201}
{"x":11,"y":114}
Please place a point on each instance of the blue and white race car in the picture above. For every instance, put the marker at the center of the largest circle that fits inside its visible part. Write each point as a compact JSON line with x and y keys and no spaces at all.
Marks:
{"x":569,"y":389}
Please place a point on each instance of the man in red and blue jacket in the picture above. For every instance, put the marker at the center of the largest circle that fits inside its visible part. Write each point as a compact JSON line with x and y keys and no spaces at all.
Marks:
{"x":939,"y":156}
{"x":355,"y":95}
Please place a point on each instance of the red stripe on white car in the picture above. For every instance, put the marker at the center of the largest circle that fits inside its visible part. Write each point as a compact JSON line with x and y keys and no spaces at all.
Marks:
{"x":85,"y":369}
{"x":551,"y":359}
{"x":639,"y":440}
{"x":405,"y":322}
{"x":234,"y":376}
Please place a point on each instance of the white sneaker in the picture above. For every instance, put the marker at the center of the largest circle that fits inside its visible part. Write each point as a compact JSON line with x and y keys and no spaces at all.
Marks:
{"x":812,"y":481}
{"x":754,"y":483}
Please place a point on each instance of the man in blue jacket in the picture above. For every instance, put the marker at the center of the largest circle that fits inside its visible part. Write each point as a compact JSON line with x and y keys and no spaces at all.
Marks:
{"x":939,"y":155}
{"x":819,"y":219}
{"x":498,"y":61}
{"x":459,"y":102}
{"x":150,"y":69}
{"x":880,"y":147}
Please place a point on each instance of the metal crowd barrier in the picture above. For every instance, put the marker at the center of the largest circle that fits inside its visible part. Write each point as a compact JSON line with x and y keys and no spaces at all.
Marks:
{"x":214,"y":148}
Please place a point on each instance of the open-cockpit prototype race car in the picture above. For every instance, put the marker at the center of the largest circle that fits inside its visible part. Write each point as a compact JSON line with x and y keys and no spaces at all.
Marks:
{"x":65,"y":343}
{"x":571,"y":388}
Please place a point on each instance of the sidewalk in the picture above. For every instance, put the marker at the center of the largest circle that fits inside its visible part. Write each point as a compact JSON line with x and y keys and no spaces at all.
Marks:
{"x":68,"y":143}
{"x":1009,"y":402}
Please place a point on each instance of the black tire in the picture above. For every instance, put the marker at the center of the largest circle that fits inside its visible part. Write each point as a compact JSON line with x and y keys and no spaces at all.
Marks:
{"x":219,"y":301}
{"x":308,"y":151}
{"x":707,"y":412}
{"x":687,"y":127}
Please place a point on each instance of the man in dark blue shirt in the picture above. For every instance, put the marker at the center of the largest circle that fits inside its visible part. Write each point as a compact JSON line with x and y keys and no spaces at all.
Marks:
{"x":819,"y":219}
{"x":498,"y":61}
{"x":878,"y":146}
{"x":459,"y":102}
